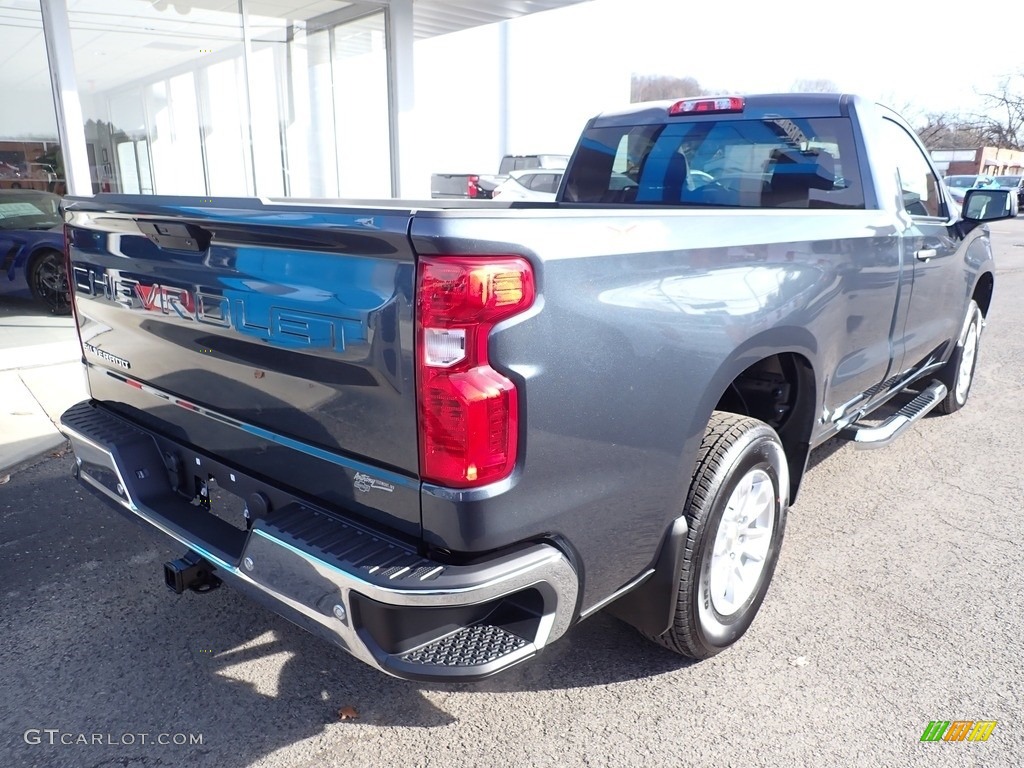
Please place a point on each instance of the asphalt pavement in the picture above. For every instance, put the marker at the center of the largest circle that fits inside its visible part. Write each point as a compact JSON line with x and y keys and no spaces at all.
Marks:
{"x":897,"y":601}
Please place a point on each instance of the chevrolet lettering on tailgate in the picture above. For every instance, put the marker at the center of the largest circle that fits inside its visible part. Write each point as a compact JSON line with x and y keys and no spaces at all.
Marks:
{"x":248,"y":312}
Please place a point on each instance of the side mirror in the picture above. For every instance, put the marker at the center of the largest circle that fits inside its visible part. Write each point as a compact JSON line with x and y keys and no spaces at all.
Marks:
{"x":989,"y":204}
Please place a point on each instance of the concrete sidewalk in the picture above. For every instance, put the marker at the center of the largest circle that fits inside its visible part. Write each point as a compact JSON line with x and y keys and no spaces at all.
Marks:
{"x":40,"y":377}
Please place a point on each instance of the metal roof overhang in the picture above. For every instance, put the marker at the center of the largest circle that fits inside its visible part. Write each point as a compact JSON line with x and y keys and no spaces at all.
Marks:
{"x":439,"y":17}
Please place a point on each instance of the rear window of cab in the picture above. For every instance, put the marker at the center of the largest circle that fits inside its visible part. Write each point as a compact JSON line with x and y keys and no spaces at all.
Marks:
{"x":727,"y":162}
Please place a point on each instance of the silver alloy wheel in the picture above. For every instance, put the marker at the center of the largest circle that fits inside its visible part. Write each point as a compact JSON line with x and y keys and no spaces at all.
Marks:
{"x":742,"y":542}
{"x":970,"y":351}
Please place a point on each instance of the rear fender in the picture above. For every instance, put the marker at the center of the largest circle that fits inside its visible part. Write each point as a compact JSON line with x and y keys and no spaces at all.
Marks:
{"x":797,"y":432}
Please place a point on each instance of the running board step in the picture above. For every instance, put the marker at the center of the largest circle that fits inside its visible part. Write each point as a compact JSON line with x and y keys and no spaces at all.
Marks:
{"x":880,"y":435}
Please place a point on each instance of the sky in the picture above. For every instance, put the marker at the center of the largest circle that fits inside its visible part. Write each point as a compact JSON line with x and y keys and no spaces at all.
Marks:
{"x":896,"y":49}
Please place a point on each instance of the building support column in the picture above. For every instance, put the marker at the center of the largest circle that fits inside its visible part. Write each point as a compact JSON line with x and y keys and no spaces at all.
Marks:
{"x":70,"y":123}
{"x":401,"y":84}
{"x":503,"y":89}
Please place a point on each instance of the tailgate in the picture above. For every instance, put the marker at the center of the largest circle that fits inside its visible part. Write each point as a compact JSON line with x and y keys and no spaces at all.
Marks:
{"x":275,"y":337}
{"x":449,"y":185}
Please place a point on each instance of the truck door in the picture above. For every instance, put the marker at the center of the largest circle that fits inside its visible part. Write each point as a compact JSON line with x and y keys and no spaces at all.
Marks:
{"x":931,"y":250}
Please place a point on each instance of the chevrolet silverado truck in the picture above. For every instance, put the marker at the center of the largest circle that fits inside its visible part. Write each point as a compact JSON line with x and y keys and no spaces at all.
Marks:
{"x":440,"y":435}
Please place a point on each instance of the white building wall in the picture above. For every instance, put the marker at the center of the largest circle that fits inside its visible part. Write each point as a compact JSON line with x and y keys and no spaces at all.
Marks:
{"x":455,"y":118}
{"x":458,"y":110}
{"x":561,"y":75}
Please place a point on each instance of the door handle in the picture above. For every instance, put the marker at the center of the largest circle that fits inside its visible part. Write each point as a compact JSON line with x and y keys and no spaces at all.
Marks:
{"x":926,"y":253}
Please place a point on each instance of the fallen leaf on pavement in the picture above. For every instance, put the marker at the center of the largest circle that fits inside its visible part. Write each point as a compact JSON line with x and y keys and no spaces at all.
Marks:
{"x":347,"y":713}
{"x":5,"y":479}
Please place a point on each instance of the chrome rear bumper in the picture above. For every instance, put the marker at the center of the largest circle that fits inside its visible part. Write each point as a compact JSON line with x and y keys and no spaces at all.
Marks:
{"x":377,"y":598}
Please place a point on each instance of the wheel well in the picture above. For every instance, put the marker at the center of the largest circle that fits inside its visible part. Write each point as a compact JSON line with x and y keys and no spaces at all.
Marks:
{"x":983,"y":292}
{"x":780,"y":391}
{"x":38,"y":254}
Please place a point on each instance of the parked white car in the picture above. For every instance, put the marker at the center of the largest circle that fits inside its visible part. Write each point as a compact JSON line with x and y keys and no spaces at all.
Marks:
{"x":536,"y":184}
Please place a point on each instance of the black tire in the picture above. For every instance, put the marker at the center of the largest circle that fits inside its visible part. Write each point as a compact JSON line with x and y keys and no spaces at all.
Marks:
{"x":958,"y":373}
{"x":48,"y":281}
{"x":734,"y":449}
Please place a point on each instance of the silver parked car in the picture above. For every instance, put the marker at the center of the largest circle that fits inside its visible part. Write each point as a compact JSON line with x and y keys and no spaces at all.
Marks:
{"x":958,"y":185}
{"x":538,"y":184}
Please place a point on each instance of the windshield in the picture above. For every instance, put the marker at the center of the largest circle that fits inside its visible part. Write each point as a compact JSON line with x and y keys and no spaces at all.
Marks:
{"x":1007,"y":181}
{"x":961,"y":182}
{"x":29,"y":210}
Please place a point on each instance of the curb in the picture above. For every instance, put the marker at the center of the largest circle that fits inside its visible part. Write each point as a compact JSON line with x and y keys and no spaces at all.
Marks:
{"x":30,"y":459}
{"x":31,"y":402}
{"x":40,"y":355}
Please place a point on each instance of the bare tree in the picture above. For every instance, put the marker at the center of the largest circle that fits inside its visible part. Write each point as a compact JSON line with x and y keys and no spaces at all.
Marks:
{"x":818,"y":85}
{"x":944,"y":130}
{"x":906,"y":108}
{"x":1004,"y":126}
{"x":654,"y":87}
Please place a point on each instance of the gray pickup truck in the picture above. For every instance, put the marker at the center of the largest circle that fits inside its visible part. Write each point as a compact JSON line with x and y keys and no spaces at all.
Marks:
{"x":440,"y":435}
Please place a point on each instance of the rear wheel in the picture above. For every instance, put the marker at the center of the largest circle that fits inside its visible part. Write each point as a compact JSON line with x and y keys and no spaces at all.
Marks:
{"x":736,"y":513}
{"x":48,"y":280}
{"x":958,"y":375}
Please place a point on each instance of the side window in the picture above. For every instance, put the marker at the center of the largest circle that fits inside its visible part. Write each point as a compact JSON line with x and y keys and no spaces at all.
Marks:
{"x":546,"y":182}
{"x":537,"y":182}
{"x":918,"y":184}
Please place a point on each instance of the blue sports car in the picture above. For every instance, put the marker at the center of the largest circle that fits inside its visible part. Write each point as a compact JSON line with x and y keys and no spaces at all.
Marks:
{"x":32,"y":248}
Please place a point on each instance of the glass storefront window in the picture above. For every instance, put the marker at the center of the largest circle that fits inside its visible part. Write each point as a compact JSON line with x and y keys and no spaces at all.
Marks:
{"x":145,"y":72}
{"x":30,"y":156}
{"x":360,"y":73}
{"x":174,"y":102}
{"x":225,"y":137}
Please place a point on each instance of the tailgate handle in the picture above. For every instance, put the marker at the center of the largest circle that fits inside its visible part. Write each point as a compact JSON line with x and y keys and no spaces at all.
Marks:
{"x":176,"y":235}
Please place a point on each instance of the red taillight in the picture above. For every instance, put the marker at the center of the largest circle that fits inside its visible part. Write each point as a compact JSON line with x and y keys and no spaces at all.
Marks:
{"x":471,"y":188}
{"x":705,"y":106}
{"x":468,"y":412}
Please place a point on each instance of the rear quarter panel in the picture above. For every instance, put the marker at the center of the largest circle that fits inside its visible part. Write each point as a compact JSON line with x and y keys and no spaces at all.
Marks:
{"x":623,"y":357}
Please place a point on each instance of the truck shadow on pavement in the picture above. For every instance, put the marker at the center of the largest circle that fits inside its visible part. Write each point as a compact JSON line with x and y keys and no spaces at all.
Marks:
{"x":96,"y":645}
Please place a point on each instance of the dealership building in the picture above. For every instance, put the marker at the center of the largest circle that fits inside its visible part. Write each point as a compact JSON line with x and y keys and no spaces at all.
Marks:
{"x":272,"y":98}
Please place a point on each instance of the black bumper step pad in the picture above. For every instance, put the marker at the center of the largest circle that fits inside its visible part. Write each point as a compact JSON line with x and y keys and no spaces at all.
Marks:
{"x":469,"y":647}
